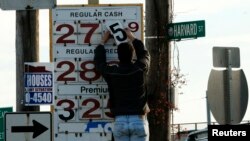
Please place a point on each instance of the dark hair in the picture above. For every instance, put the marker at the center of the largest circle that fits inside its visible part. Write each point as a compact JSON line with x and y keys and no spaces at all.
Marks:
{"x":125,"y":52}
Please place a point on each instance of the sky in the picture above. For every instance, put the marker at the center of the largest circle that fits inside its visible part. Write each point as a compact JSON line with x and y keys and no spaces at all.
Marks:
{"x":227,"y":25}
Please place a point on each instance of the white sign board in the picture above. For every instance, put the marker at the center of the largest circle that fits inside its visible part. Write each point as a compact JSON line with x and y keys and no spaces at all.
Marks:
{"x":81,"y":94}
{"x":26,"y":4}
{"x":35,"y":126}
{"x":38,"y":83}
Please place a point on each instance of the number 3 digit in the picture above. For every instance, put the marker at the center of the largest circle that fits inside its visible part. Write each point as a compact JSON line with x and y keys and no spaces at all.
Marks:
{"x":68,"y":109}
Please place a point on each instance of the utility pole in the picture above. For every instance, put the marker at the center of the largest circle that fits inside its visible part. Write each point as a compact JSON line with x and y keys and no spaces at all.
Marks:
{"x":27,"y":50}
{"x":158,"y":16}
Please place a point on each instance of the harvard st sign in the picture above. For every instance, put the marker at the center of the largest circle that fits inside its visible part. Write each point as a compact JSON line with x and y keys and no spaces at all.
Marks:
{"x":193,"y":29}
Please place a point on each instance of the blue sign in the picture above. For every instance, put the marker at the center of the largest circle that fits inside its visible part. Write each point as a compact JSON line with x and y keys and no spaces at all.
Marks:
{"x":38,"y":97}
{"x":38,"y":80}
{"x":38,"y":83}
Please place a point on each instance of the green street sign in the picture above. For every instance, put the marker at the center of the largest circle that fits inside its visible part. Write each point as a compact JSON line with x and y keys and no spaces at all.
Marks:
{"x":2,"y":112}
{"x":193,"y":29}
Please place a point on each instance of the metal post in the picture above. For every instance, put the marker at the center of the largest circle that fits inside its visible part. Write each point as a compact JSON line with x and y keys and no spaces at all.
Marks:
{"x":228,"y":87}
{"x":208,"y":111}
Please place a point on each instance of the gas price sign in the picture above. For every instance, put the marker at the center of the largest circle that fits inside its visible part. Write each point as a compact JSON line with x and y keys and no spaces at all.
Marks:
{"x":38,"y":79}
{"x":81,"y":94}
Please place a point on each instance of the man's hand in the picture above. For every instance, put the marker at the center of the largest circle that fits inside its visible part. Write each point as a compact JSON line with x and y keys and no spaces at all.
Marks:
{"x":130,"y":35}
{"x":105,"y":37}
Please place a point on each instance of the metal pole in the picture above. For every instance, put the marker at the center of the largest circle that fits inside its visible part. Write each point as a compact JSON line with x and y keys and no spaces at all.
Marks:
{"x":27,"y":50}
{"x":228,"y":85}
{"x":208,"y":111}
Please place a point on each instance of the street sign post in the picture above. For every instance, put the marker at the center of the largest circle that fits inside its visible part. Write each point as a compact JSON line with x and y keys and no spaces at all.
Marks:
{"x":227,"y":89}
{"x":2,"y":113}
{"x":25,"y":126}
{"x":192,"y":29}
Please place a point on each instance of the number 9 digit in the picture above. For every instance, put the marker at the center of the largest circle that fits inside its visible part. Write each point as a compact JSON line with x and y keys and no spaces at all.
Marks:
{"x":133,"y":26}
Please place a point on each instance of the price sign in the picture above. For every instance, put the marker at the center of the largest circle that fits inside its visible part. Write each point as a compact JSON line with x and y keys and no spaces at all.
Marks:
{"x":81,"y":94}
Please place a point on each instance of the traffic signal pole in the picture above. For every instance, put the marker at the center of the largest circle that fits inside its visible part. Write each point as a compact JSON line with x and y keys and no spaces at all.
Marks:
{"x":27,"y":50}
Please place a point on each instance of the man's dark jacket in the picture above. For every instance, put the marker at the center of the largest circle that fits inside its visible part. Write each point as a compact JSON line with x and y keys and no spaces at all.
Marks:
{"x":126,"y":82}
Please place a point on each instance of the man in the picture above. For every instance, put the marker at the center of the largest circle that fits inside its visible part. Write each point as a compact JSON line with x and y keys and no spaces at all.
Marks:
{"x":127,"y":87}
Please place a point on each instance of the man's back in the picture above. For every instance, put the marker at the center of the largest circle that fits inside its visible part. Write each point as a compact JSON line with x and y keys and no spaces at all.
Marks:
{"x":126,"y":82}
{"x":127,"y":90}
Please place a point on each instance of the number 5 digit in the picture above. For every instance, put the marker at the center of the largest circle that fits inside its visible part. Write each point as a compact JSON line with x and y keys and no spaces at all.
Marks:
{"x":115,"y":29}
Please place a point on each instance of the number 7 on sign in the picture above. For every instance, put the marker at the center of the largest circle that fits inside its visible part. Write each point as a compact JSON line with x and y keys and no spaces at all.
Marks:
{"x":117,"y":31}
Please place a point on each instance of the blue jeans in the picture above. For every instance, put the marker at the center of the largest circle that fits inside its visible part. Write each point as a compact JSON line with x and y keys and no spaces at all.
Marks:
{"x":131,"y":128}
